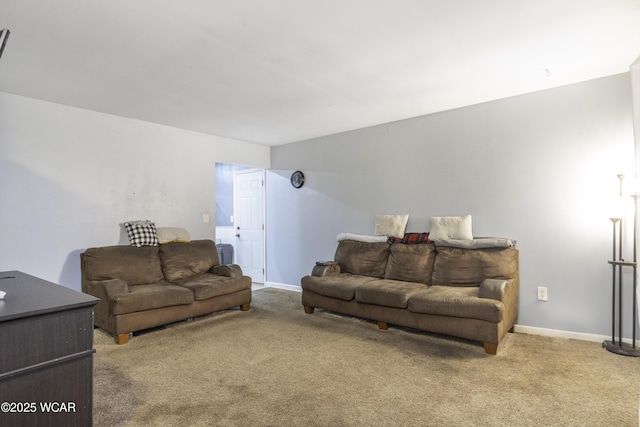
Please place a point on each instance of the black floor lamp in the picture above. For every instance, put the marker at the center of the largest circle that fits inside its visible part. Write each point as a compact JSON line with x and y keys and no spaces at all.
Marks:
{"x":618,"y":262}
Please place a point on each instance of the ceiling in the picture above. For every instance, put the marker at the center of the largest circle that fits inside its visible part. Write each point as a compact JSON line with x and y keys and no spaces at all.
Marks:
{"x":279,"y":71}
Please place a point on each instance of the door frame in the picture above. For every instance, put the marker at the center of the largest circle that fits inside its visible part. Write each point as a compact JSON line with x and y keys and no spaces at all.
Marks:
{"x":263,"y":214}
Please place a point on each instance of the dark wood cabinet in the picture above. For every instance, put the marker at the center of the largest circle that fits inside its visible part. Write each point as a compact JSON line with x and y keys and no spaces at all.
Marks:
{"x":46,"y":353}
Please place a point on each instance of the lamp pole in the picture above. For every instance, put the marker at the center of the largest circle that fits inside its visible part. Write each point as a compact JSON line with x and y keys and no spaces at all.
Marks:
{"x":617,"y":263}
{"x":614,"y":221}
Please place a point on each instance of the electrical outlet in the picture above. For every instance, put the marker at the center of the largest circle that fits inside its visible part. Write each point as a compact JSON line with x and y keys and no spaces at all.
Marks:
{"x":542,"y":293}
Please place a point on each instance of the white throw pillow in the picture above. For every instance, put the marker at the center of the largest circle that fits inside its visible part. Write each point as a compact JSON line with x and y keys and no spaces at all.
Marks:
{"x":391,"y":225}
{"x":172,"y":234}
{"x":450,"y":227}
{"x":361,"y":238}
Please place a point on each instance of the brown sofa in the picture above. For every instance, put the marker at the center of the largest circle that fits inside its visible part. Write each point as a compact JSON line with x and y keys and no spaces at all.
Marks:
{"x":468,"y":293}
{"x":149,"y":286}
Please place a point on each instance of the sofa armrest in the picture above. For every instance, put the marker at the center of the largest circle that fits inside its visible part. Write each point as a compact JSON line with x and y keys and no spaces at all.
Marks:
{"x":107,"y":291}
{"x":505,"y":291}
{"x":493,"y":289}
{"x":227,"y":270}
{"x":107,"y":288}
{"x":326,"y":268}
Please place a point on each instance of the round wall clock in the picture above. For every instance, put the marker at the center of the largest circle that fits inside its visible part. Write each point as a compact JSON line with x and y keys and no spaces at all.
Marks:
{"x":297,"y":179}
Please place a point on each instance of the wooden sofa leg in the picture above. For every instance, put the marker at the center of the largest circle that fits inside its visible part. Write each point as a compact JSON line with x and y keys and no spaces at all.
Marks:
{"x":383,"y":325}
{"x":309,"y":309}
{"x":121,"y":338}
{"x":491,"y":348}
{"x":245,"y":307}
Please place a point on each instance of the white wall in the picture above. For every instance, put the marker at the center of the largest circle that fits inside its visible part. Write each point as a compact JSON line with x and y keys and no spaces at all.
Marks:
{"x":635,"y":87}
{"x":539,"y":168}
{"x":69,"y":178}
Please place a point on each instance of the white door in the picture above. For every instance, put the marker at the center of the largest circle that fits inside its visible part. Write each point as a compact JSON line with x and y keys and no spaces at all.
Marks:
{"x":249,"y":223}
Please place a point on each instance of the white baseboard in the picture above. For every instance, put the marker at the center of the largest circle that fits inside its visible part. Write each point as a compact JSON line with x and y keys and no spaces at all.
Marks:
{"x":283,"y":286}
{"x":532,"y":330}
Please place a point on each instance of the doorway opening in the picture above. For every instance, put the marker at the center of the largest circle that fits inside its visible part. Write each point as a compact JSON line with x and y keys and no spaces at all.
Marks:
{"x":240,"y":217}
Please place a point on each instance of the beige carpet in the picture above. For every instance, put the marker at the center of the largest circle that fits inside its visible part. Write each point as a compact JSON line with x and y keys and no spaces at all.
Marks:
{"x":277,"y":366}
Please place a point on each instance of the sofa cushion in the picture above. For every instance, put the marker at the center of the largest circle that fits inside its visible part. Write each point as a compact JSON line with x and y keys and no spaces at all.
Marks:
{"x":411,"y":263}
{"x":387,"y":293}
{"x":362,"y":258}
{"x":207,"y":285}
{"x":181,"y":260}
{"x":341,"y":286}
{"x":148,"y":297}
{"x":469,"y":267}
{"x":460,"y":302}
{"x":136,"y":266}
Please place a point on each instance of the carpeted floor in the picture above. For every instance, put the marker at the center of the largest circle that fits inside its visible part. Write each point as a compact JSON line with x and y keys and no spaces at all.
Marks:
{"x":277,"y":366}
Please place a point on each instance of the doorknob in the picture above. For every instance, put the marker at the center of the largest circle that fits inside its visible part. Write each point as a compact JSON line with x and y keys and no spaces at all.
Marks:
{"x":238,"y":235}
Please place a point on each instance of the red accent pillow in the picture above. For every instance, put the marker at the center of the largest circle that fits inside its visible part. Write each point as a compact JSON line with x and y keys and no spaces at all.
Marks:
{"x":411,"y":238}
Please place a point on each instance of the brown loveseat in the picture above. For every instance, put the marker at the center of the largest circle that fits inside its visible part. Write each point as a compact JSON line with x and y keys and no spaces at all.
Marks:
{"x":468,"y":293}
{"x":148,"y":286}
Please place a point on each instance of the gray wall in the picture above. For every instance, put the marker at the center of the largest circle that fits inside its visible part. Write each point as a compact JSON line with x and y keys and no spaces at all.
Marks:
{"x":224,"y":194}
{"x":635,"y":88}
{"x":539,"y":168}
{"x":69,"y":178}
